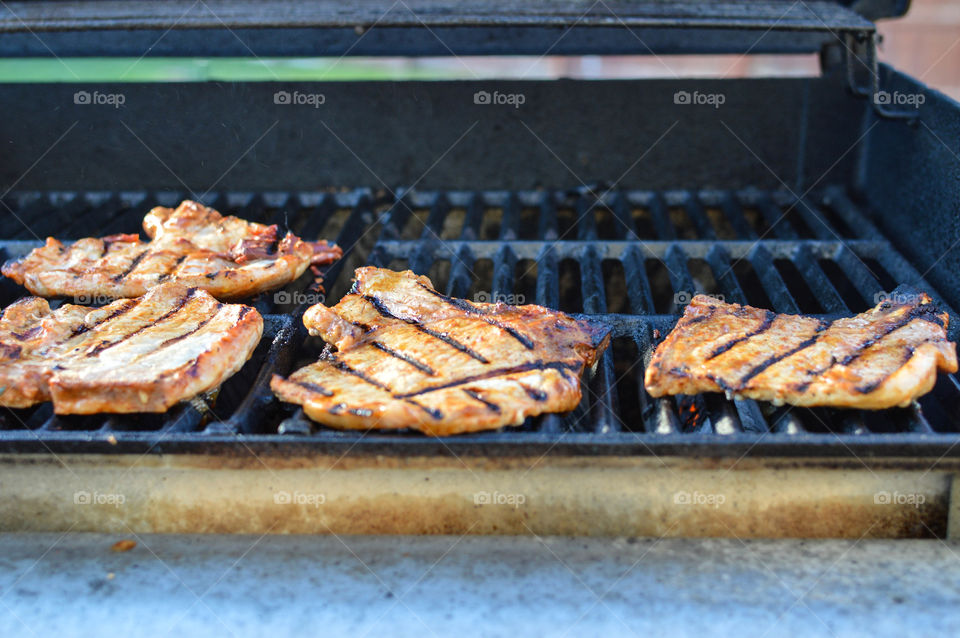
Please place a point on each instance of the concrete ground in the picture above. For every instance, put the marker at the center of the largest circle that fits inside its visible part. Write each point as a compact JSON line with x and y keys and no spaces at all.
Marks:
{"x":77,"y":585}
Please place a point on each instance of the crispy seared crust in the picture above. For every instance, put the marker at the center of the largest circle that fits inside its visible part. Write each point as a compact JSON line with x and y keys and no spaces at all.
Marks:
{"x":193,"y":245}
{"x":885,"y":357}
{"x":410,"y":357}
{"x":133,"y":355}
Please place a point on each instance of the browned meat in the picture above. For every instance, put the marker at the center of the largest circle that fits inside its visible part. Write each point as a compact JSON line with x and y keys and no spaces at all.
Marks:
{"x":193,"y":245}
{"x":885,"y":357}
{"x":410,"y":357}
{"x":134,"y":355}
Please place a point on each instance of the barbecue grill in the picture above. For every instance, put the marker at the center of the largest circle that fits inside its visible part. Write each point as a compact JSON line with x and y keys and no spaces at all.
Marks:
{"x":614,"y":200}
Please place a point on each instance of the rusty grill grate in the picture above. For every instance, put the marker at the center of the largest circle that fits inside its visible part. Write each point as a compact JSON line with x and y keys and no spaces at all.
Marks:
{"x":632,"y":258}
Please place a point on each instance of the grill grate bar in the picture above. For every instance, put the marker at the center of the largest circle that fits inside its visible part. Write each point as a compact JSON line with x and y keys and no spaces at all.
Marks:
{"x":827,"y":295}
{"x":771,"y":281}
{"x":719,"y":261}
{"x":837,"y":200}
{"x":680,"y":279}
{"x":733,"y":213}
{"x":621,"y":212}
{"x":814,"y":219}
{"x":858,"y":274}
{"x":637,"y":283}
{"x":458,"y":284}
{"x":504,"y":266}
{"x":661,"y":221}
{"x":586,"y":219}
{"x":548,"y":275}
{"x":433,"y":227}
{"x":691,"y":204}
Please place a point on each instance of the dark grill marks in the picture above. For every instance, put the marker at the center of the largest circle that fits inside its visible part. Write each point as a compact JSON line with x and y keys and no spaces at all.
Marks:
{"x":340,"y":408}
{"x":561,"y":366}
{"x":177,"y":308}
{"x":172,"y":268}
{"x":875,"y":339}
{"x":436,"y":414}
{"x":769,"y":361}
{"x":313,"y":387}
{"x":383,"y":310}
{"x":910,"y":316}
{"x":709,"y":313}
{"x":493,"y":407}
{"x":128,"y":306}
{"x":459,"y":304}
{"x":450,"y":341}
{"x":422,"y":367}
{"x":133,"y":264}
{"x":343,"y":367}
{"x":523,"y":339}
{"x":869,"y":387}
{"x":470,"y":309}
{"x":197,"y":328}
{"x":763,"y":327}
{"x":533,"y":393}
{"x":340,"y":365}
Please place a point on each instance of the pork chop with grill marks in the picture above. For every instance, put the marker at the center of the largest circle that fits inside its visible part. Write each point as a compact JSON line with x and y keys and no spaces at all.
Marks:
{"x":133,"y":355}
{"x":228,"y":257}
{"x":408,"y":356}
{"x":884,"y":357}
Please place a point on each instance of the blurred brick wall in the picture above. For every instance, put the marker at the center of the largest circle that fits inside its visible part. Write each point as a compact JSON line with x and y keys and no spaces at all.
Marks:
{"x":926,"y":44}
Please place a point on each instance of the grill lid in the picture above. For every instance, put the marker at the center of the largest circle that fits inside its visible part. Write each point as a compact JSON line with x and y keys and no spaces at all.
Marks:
{"x":430,"y":27}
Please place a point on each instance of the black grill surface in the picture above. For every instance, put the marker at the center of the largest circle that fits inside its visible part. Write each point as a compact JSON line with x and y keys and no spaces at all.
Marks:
{"x":630,"y":258}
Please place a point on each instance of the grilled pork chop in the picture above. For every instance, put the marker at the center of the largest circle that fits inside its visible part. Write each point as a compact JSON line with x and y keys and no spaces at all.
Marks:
{"x":133,"y":355}
{"x":884,"y":357}
{"x":410,"y":357}
{"x":194,"y":245}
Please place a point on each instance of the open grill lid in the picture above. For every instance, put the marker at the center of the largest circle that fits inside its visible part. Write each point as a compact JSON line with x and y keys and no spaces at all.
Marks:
{"x":431,"y":27}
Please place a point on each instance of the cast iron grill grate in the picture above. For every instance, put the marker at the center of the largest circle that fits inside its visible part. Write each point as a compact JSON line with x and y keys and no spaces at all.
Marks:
{"x":630,"y":258}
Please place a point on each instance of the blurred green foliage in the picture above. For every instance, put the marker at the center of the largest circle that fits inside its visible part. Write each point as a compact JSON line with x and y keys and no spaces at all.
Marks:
{"x":225,"y":69}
